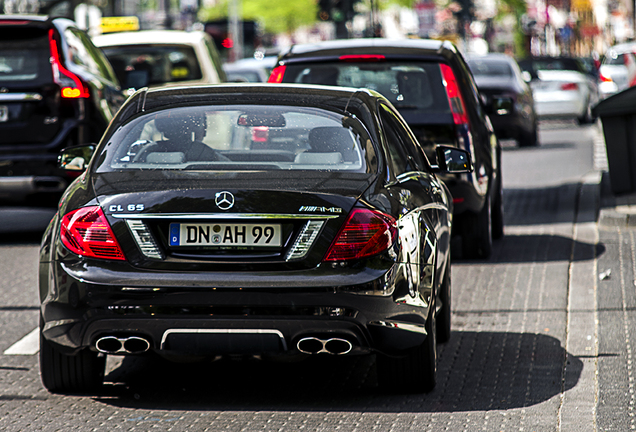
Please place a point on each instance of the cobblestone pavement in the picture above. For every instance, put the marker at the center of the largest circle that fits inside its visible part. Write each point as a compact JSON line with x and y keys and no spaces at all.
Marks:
{"x":532,"y":327}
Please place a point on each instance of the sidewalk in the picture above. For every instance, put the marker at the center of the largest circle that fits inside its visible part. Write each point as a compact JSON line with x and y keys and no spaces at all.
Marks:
{"x":615,"y":309}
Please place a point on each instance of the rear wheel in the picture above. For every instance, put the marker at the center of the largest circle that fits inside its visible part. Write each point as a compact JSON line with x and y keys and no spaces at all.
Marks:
{"x":61,"y":373}
{"x":443,"y":322}
{"x":414,"y":371}
{"x":497,"y":211}
{"x":529,"y":139}
{"x":476,"y":231}
{"x":586,"y":117}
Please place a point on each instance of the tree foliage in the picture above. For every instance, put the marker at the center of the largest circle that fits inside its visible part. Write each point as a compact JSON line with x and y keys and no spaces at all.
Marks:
{"x":275,"y":16}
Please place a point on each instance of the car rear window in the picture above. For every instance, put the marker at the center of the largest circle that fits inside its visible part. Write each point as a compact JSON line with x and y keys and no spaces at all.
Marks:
{"x":140,"y":65}
{"x":489,"y":67}
{"x":24,"y":56}
{"x":240,"y":137}
{"x":408,"y":86}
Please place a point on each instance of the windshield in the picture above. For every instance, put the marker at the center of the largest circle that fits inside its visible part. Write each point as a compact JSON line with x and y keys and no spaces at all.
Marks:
{"x":240,"y":137}
{"x":490,"y":68}
{"x":414,"y":86}
{"x":141,"y":65}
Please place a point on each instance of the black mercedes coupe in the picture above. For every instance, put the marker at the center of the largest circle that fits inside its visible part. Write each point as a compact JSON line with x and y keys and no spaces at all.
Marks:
{"x":257,"y":219}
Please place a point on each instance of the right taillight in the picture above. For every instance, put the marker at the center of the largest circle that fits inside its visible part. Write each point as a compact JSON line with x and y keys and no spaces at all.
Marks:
{"x":365,"y":233}
{"x":86,"y":232}
{"x":569,"y":86}
{"x":277,"y":74}
{"x":71,"y":85}
{"x":458,"y":108}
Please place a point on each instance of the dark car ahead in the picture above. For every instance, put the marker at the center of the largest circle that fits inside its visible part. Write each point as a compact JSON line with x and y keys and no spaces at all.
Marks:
{"x":250,"y":219}
{"x":431,"y":86}
{"x":507,"y":97}
{"x":56,"y":90}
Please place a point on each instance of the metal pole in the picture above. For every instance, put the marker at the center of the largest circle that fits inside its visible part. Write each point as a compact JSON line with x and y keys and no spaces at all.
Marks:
{"x":236,"y":30}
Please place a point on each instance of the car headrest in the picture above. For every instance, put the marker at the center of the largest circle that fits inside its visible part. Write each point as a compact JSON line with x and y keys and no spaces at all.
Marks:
{"x":182,"y":126}
{"x":330,"y":139}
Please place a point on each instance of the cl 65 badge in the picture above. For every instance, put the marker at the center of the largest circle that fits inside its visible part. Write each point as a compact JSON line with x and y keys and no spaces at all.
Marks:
{"x":130,"y":207}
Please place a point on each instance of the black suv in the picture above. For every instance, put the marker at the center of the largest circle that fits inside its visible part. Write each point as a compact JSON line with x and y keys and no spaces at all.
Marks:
{"x":431,"y":86}
{"x":56,"y":90}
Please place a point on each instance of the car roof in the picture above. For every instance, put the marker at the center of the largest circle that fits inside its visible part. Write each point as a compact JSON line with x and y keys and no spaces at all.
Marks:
{"x":40,"y":18}
{"x":161,"y":37}
{"x":164,"y":97}
{"x":369,"y":45}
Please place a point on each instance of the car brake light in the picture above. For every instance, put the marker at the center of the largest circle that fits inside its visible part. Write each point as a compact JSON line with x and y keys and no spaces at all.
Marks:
{"x":362,"y":57}
{"x":277,"y":74}
{"x":458,"y":108}
{"x":260,"y":133}
{"x":86,"y":232}
{"x":604,"y":78}
{"x":569,"y":86}
{"x":72,"y":86}
{"x":365,"y":233}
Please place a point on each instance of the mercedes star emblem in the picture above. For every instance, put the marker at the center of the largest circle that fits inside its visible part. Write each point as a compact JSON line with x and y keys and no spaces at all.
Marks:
{"x":224,"y":200}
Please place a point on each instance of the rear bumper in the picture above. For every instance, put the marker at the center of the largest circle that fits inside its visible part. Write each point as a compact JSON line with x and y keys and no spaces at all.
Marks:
{"x":206,"y":321}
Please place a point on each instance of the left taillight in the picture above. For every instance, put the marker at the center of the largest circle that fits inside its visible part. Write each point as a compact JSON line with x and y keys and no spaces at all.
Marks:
{"x":71,"y":85}
{"x":364,"y":234}
{"x":86,"y":232}
{"x":277,"y":74}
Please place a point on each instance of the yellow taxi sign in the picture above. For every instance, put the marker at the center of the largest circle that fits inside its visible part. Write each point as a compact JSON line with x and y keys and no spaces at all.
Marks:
{"x":119,"y":24}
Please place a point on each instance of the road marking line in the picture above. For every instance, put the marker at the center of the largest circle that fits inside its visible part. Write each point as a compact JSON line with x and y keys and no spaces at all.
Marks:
{"x":28,"y":345}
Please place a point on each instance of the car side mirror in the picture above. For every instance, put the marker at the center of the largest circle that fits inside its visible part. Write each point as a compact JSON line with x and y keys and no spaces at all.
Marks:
{"x":452,"y":160}
{"x":75,"y":158}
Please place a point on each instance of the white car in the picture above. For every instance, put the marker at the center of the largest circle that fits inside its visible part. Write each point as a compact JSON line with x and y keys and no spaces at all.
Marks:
{"x":561,"y":87}
{"x":561,"y":93}
{"x":162,"y":57}
{"x":619,"y":64}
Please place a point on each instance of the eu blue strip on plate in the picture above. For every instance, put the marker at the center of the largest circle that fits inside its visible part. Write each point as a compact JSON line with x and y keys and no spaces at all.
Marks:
{"x":174,"y":234}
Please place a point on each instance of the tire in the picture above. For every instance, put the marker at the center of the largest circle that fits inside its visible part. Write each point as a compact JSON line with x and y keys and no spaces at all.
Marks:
{"x":497,"y":211}
{"x":586,"y":118}
{"x":476,"y":231}
{"x":71,"y":374}
{"x":443,"y":320}
{"x":415,"y":371}
{"x":529,"y":139}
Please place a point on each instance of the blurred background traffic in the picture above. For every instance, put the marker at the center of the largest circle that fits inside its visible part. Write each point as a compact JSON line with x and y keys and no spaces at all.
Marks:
{"x":530,"y":59}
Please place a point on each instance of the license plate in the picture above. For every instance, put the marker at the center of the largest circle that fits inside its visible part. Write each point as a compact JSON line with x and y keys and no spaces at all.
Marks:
{"x":4,"y":113}
{"x":218,"y":234}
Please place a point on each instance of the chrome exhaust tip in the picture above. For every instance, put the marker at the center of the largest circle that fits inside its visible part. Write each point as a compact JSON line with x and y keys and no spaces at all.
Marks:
{"x":314,"y":345}
{"x":108,"y":345}
{"x":310,"y":345}
{"x":136,"y":345}
{"x":127,"y":345}
{"x":338,"y":346}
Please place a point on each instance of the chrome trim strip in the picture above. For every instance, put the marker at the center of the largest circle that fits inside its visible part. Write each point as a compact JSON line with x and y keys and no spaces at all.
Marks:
{"x":415,"y":328}
{"x":224,"y":331}
{"x":15,"y":97}
{"x":220,"y":216}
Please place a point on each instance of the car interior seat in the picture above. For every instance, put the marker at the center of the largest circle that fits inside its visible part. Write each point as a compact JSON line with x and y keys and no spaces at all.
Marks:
{"x":329,"y":145}
{"x":182,"y":134}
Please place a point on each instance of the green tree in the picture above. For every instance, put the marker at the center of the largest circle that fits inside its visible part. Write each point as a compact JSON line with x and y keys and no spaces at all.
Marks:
{"x":516,"y":8}
{"x":275,"y":16}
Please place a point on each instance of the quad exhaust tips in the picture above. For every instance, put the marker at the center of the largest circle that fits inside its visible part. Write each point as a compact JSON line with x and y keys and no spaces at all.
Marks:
{"x":126,"y":345}
{"x":314,"y":345}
